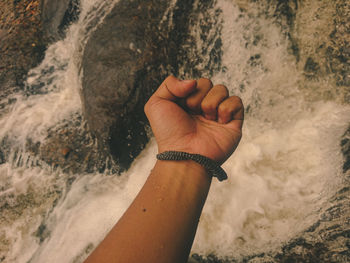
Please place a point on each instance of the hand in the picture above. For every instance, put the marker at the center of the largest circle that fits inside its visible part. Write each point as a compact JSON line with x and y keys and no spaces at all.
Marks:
{"x":195,"y":117}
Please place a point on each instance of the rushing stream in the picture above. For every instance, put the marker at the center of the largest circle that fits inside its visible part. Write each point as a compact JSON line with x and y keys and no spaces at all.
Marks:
{"x":286,"y":168}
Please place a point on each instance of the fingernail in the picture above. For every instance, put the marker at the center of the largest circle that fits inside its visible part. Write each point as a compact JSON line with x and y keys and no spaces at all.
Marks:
{"x":220,"y":121}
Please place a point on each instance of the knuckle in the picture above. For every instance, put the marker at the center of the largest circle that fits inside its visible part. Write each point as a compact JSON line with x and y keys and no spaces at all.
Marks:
{"x":206,"y":81}
{"x":169,"y":78}
{"x":146,"y":107}
{"x":150,"y":104}
{"x":225,"y":109}
{"x":237,"y":100}
{"x":208,"y":107}
{"x":191,"y":103}
{"x":221,"y":88}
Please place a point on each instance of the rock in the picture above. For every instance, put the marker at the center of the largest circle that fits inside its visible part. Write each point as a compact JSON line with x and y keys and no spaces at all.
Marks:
{"x":3,"y":34}
{"x":21,"y":28}
{"x":56,"y":16}
{"x":128,"y":56}
{"x":79,"y":154}
{"x":328,"y":24}
{"x":311,"y":68}
{"x":124,"y":61}
{"x":65,"y":151}
{"x":26,"y":30}
{"x":345,"y":146}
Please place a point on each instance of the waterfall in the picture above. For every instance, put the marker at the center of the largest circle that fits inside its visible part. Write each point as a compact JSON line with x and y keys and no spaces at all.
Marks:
{"x":286,"y":168}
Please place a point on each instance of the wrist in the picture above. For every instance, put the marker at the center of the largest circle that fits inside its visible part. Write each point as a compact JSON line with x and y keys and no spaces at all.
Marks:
{"x":186,"y":170}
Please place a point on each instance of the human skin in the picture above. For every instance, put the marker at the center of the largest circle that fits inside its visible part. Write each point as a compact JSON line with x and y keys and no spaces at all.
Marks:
{"x":160,"y":225}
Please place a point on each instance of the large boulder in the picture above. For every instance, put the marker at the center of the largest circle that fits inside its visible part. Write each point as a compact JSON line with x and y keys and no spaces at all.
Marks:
{"x":125,"y":59}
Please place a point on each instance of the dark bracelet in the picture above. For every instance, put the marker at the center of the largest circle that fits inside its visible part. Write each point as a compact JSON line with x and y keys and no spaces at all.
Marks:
{"x":210,"y":165}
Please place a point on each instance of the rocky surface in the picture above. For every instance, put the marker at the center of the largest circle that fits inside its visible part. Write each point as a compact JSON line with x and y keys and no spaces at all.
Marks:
{"x":26,"y":28}
{"x":319,"y":36}
{"x":70,"y":148}
{"x":21,"y":40}
{"x":345,"y":145}
{"x":56,"y":16}
{"x":127,"y":57}
{"x":115,"y":80}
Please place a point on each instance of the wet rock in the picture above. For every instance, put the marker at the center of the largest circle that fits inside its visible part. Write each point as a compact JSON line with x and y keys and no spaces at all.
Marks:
{"x":21,"y":46}
{"x":128,"y":56}
{"x":65,"y":151}
{"x":69,"y":147}
{"x":339,"y":54}
{"x":120,"y":79}
{"x":2,"y":157}
{"x":115,"y":82}
{"x":27,"y":28}
{"x":42,"y":233}
{"x":317,"y":35}
{"x":311,"y":68}
{"x":57,"y":15}
{"x":27,"y":205}
{"x":345,"y":146}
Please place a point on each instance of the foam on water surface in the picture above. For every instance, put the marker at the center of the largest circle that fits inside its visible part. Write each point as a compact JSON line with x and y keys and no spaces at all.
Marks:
{"x":277,"y":183}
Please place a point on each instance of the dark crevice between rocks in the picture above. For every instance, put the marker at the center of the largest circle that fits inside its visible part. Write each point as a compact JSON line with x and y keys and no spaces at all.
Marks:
{"x":56,"y":16}
{"x":287,"y":9}
{"x":42,"y":233}
{"x":70,"y":16}
{"x":338,"y":55}
{"x":311,"y":68}
{"x":285,"y":15}
{"x":345,"y":147}
{"x":204,"y":60}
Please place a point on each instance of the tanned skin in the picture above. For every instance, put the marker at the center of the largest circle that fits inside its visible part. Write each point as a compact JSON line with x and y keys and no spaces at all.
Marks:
{"x":159,"y":226}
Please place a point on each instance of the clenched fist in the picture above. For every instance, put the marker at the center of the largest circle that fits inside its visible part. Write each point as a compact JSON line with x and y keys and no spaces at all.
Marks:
{"x":195,"y":117}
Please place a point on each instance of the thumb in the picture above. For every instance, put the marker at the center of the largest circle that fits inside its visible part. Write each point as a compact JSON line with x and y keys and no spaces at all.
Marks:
{"x":172,"y":88}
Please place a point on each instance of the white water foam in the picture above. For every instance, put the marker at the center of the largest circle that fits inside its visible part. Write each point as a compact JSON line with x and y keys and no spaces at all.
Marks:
{"x":277,"y":181}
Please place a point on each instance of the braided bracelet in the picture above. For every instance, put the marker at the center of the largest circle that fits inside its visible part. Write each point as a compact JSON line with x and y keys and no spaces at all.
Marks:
{"x":210,"y":165}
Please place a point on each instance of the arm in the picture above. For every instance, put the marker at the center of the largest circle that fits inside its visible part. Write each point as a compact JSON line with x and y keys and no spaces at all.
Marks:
{"x":160,"y":224}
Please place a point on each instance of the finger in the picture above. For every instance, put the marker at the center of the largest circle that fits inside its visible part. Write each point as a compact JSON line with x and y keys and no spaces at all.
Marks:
{"x":193,"y":102}
{"x":231,"y":109}
{"x":212,"y":101}
{"x":172,"y":88}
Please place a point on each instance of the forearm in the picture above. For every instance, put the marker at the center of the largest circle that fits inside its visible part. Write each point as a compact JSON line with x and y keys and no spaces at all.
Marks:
{"x":160,"y":224}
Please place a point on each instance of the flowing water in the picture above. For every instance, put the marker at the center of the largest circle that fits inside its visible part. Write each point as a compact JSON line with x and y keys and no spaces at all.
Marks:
{"x":284,"y":171}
